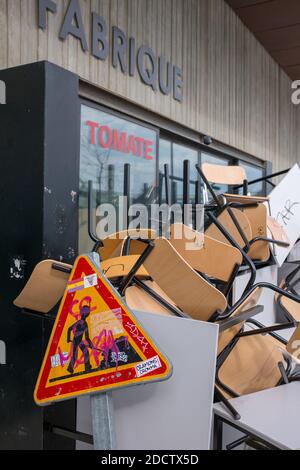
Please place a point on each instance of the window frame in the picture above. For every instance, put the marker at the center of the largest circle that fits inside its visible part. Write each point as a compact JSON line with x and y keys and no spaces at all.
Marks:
{"x":167,"y":128}
{"x":233,"y":159}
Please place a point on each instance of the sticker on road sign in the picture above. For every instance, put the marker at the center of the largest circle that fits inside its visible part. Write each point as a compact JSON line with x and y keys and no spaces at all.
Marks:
{"x":97,"y":344}
{"x":148,"y":366}
{"x":90,"y":281}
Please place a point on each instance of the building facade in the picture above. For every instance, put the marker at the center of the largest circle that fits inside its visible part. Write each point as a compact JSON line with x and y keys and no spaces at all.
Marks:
{"x":115,"y":85}
{"x":232,"y":89}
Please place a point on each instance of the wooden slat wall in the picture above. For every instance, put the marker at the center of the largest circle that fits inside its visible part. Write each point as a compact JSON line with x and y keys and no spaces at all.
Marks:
{"x":233,"y":90}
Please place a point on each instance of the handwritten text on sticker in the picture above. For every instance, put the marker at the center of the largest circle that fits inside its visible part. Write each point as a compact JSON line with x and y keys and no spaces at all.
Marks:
{"x":148,"y":366}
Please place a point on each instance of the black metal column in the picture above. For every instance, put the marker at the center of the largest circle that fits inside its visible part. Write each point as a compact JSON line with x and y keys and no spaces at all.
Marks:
{"x":39,"y":148}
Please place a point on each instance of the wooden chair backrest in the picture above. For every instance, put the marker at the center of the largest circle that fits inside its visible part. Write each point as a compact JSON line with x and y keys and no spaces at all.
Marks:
{"x":205,"y":257}
{"x":121,"y":266}
{"x":187,"y":289}
{"x":45,"y":287}
{"x":227,"y":222}
{"x":227,"y":336}
{"x":252,"y":365}
{"x":112,"y":246}
{"x":139,"y":300}
{"x":223,"y":174}
{"x":257,"y":217}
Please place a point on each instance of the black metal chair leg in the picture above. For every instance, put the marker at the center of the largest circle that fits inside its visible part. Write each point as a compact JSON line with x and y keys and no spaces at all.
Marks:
{"x":228,"y":405}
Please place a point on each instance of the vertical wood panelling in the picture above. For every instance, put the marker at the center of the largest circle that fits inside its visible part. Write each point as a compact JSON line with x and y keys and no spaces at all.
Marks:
{"x":3,"y":33}
{"x":14,"y":33}
{"x":178,"y":10}
{"x":28,"y":23}
{"x":201,"y":94}
{"x":54,"y":47}
{"x":42,"y":40}
{"x":233,"y":90}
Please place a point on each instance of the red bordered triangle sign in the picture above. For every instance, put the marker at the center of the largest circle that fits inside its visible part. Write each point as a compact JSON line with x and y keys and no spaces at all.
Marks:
{"x":97,"y":344}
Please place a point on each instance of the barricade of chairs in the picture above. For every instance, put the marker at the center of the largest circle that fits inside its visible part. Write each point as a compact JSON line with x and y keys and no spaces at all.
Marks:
{"x":191,"y":275}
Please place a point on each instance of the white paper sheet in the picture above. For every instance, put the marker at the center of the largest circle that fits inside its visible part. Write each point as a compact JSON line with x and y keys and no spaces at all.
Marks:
{"x":285,"y":208}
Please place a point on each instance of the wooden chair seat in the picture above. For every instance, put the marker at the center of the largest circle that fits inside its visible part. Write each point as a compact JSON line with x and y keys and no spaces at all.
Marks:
{"x":204,"y":253}
{"x":137,"y":299}
{"x":252,"y":365}
{"x":188,"y":290}
{"x":227,"y":222}
{"x":245,"y":199}
{"x":121,"y":266}
{"x":45,"y":287}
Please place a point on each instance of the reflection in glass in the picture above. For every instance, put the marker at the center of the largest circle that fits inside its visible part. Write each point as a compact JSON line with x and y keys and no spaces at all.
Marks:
{"x":253,"y":173}
{"x":165,"y":158}
{"x":107,"y":144}
{"x":180,"y":154}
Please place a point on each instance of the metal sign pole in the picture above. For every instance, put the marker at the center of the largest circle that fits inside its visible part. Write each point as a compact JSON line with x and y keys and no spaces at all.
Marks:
{"x":103,"y":421}
{"x":102,"y":409}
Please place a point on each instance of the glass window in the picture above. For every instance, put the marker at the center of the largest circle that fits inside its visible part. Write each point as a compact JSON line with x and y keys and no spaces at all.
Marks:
{"x":165,"y":157}
{"x":108,"y":143}
{"x":165,"y":154}
{"x":253,"y":173}
{"x":214,"y":160}
{"x":180,"y":154}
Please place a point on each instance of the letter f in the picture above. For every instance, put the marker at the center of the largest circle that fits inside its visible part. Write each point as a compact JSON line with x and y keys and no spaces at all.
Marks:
{"x":44,"y":6}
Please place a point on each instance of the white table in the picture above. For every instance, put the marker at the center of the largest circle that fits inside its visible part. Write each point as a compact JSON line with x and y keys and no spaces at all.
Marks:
{"x":272,"y":416}
{"x":172,"y":415}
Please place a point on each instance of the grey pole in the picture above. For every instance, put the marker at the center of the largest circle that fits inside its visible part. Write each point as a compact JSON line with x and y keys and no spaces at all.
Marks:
{"x":103,"y":421}
{"x":102,"y":409}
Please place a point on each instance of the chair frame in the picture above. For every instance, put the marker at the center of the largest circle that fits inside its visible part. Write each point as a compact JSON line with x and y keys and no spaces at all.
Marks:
{"x":248,"y":315}
{"x":131,"y":278}
{"x":285,"y":372}
{"x":228,"y":206}
{"x":289,"y":285}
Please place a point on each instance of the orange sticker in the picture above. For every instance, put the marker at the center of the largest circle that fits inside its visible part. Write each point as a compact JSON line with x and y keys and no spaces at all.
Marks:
{"x":97,"y":344}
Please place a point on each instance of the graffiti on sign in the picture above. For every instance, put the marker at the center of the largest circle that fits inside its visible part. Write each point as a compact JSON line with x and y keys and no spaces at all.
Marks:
{"x":96,"y":344}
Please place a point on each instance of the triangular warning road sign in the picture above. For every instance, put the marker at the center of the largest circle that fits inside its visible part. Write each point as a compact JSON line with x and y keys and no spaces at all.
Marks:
{"x":96,"y":344}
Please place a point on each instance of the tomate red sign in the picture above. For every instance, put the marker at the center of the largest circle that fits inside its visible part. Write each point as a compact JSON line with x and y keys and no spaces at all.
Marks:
{"x":114,"y":139}
{"x":96,"y":344}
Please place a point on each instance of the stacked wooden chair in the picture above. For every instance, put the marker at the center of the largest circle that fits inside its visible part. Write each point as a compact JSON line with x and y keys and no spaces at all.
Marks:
{"x":245,"y":218}
{"x":170,"y":281}
{"x":49,"y":279}
{"x":249,"y":360}
{"x":191,"y":276}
